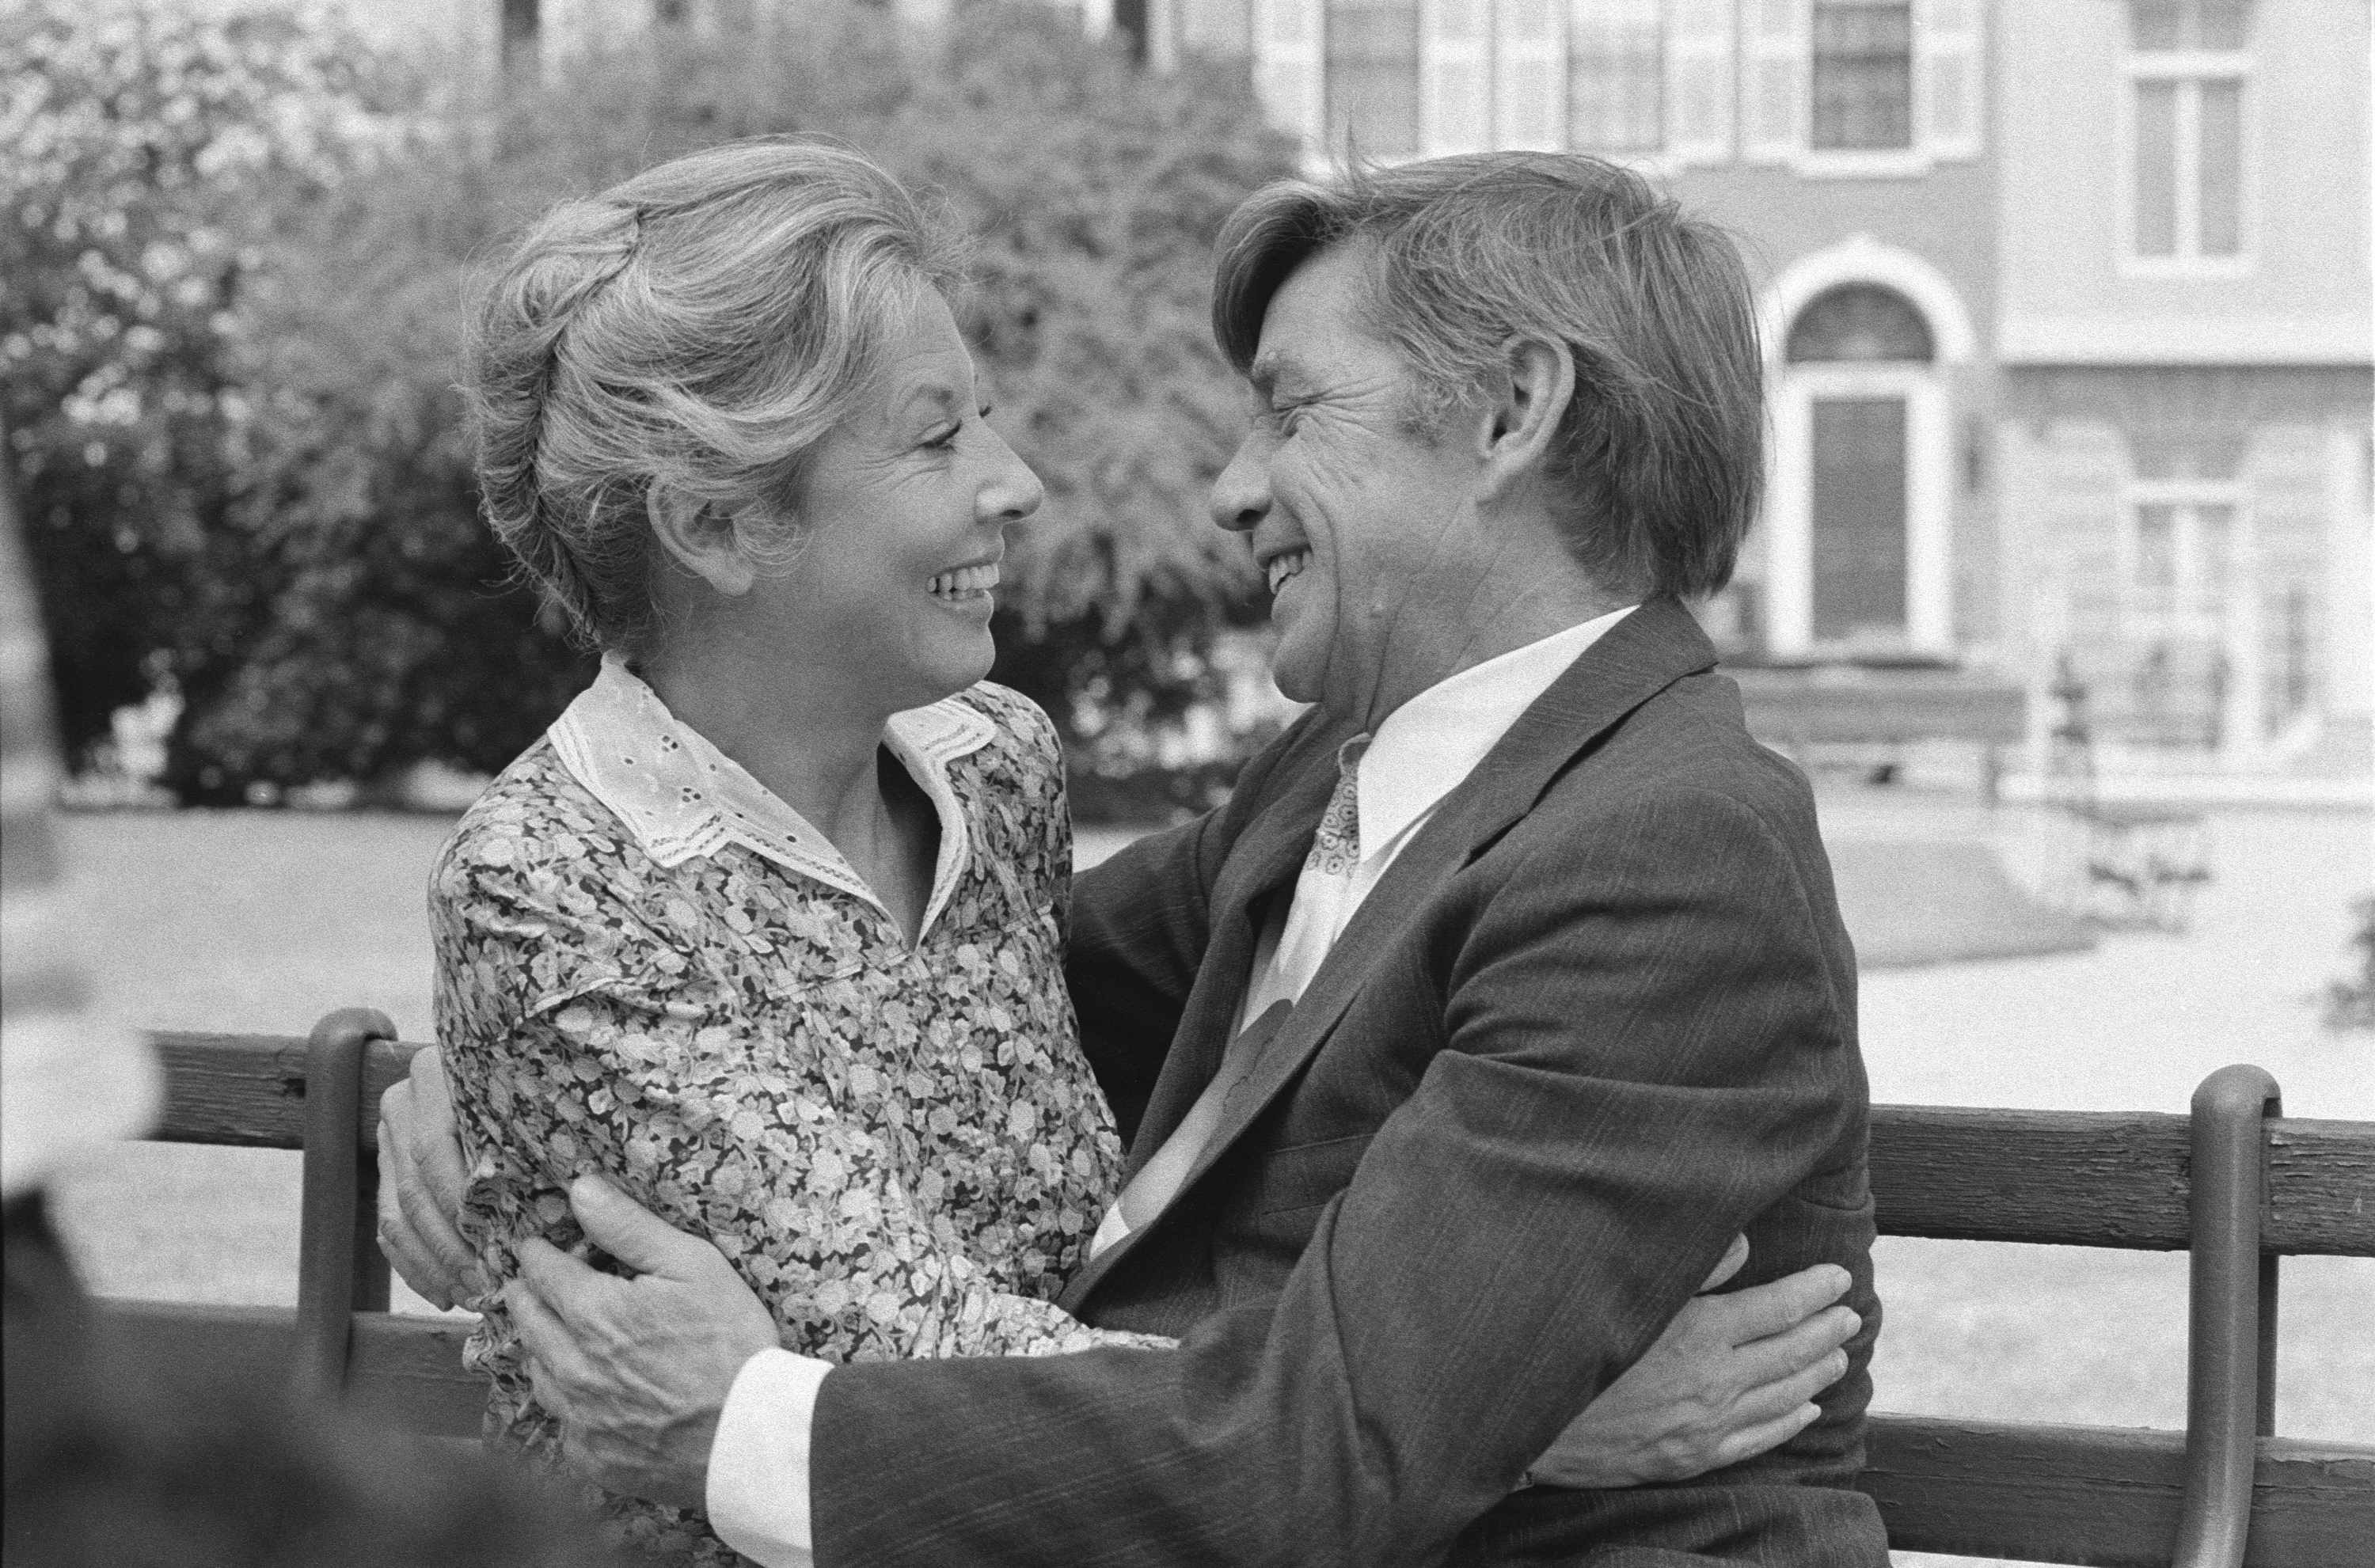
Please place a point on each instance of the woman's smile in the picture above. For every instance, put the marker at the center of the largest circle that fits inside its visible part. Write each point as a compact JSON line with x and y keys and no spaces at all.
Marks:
{"x":968,"y":588}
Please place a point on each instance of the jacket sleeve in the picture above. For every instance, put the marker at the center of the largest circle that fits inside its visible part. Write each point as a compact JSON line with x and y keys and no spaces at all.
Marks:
{"x":1638,"y":1062}
{"x":1139,"y":929}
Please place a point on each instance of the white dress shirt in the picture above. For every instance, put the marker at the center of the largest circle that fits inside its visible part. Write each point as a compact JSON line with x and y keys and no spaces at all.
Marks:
{"x":757,"y":1485}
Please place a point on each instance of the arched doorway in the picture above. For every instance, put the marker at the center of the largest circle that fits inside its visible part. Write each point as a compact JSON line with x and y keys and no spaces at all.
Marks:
{"x":1859,"y":503}
{"x":1858,"y":357}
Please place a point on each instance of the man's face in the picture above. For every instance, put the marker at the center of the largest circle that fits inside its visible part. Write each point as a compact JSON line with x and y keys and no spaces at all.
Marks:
{"x":1362,"y":526}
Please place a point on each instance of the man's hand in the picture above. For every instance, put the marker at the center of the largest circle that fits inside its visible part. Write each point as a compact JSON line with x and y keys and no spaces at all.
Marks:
{"x":1730,"y":1377}
{"x":637,"y":1370}
{"x":421,"y":1178}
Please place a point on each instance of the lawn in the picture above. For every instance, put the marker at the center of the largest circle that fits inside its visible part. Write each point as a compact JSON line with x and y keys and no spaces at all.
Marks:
{"x":262,"y":921}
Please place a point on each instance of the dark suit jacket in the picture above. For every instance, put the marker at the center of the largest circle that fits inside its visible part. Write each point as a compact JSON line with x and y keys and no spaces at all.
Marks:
{"x":1597,"y":1016}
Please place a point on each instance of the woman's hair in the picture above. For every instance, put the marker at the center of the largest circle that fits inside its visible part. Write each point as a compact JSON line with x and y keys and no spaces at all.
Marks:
{"x":1662,"y":451}
{"x":699,"y":327}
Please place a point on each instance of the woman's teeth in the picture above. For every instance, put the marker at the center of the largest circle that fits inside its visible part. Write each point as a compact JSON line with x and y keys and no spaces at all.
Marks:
{"x":1283,"y":567}
{"x":964,"y":582}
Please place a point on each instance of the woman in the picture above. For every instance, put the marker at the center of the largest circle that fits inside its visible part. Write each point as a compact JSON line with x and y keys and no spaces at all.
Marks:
{"x":770,"y":923}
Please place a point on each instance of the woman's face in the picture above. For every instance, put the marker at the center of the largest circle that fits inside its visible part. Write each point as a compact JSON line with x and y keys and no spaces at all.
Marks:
{"x":902,"y":518}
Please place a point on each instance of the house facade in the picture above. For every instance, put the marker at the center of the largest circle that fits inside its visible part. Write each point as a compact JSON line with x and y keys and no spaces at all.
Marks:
{"x":2184,"y":342}
{"x":2065,"y":304}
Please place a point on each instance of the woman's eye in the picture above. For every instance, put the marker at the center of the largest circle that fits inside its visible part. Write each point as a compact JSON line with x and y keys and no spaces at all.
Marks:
{"x":945,"y":437}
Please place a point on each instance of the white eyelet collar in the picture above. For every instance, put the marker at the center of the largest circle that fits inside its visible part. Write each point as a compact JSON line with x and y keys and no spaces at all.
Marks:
{"x":681,"y":797}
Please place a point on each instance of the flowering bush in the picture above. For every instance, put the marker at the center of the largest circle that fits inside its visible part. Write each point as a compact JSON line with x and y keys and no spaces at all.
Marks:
{"x":133,"y":148}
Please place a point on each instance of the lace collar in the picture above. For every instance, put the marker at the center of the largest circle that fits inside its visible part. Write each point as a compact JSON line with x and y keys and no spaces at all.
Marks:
{"x":681,"y":797}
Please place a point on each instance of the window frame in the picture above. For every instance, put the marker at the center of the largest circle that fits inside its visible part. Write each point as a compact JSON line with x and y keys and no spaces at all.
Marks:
{"x":2187,"y":70}
{"x":1930,"y":149}
{"x":2186,"y":498}
{"x":1841,"y":157}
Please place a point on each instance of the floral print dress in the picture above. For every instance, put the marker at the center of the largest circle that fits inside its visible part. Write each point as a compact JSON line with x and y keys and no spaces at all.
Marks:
{"x":650,"y":967}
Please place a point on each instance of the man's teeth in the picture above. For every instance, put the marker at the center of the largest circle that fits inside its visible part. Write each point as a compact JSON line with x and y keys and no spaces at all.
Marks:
{"x":965,"y":580}
{"x":1283,"y":567}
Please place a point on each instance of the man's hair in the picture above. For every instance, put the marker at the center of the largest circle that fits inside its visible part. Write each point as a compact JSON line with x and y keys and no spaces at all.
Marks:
{"x":1662,"y":451}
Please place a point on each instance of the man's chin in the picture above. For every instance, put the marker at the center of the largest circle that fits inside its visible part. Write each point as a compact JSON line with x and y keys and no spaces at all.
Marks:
{"x":1295,"y":666}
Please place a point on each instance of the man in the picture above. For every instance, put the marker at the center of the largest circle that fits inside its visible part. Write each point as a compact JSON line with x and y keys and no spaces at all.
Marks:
{"x":1507,"y":988}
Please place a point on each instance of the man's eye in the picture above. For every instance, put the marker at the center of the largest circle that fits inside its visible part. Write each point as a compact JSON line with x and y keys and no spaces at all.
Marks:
{"x":945,"y":437}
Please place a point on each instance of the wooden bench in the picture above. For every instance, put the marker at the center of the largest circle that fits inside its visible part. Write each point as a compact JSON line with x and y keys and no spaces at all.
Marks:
{"x":2270,"y":1187}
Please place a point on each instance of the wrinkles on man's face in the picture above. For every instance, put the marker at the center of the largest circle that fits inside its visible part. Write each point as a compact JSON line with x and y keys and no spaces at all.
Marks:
{"x":1334,"y":465}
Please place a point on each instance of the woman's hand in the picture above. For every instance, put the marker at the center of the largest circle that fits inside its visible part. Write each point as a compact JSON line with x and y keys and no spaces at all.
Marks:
{"x":1730,"y":1377}
{"x":421,"y":1178}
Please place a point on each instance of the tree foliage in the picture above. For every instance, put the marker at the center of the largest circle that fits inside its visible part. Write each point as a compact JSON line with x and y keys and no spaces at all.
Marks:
{"x":133,"y":153}
{"x":255,"y":482}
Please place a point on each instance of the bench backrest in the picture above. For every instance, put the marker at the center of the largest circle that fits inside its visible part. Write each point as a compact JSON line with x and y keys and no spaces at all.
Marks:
{"x":2046,"y":1493}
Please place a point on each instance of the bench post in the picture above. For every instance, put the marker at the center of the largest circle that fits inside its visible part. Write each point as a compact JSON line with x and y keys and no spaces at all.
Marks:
{"x":2229,"y":1353}
{"x":338,"y":1268}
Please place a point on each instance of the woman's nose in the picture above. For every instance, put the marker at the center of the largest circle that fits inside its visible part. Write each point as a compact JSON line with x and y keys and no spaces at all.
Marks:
{"x":1241,"y":495}
{"x":1013,"y":492}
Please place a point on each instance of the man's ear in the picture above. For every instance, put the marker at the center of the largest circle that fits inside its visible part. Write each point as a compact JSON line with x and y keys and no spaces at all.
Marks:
{"x":1525,"y":400}
{"x":700,"y":541}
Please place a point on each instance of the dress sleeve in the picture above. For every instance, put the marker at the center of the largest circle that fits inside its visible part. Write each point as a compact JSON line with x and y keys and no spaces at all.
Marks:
{"x":583,"y":1033}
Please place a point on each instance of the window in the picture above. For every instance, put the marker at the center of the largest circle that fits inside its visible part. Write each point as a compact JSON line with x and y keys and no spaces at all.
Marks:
{"x":1404,"y":78}
{"x":1862,"y":82}
{"x":2185,"y":114}
{"x":1372,"y":65}
{"x":2177,"y":565}
{"x":1616,"y":76}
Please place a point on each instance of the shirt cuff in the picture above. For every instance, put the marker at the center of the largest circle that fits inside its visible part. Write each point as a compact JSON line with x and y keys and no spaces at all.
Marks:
{"x":758,"y":1487}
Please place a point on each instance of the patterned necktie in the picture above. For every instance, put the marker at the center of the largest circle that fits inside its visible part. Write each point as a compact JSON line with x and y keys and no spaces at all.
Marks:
{"x":1336,"y":848}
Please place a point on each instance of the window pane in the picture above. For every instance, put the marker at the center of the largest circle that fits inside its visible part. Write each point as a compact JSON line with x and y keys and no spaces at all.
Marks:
{"x":2155,"y":563}
{"x":2156,"y":168}
{"x":2222,"y":24}
{"x":1373,"y":76}
{"x":2214,"y":531}
{"x":1863,"y":75}
{"x":2222,"y":168}
{"x":1858,"y":322}
{"x":2153,"y":24}
{"x":1616,"y":76}
{"x":1859,"y":543}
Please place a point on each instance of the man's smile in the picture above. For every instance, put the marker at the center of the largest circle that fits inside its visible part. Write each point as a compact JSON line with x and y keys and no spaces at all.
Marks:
{"x":1286,"y":564}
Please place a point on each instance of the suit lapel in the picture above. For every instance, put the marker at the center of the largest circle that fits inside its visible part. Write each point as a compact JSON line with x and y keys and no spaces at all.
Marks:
{"x":1640,"y":656}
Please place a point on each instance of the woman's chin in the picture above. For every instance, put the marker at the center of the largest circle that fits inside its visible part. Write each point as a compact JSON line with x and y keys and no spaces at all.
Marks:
{"x":954,"y":664}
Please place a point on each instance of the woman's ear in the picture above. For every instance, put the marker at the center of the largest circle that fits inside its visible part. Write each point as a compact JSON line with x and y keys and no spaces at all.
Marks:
{"x":700,"y":541}
{"x":1525,"y":401}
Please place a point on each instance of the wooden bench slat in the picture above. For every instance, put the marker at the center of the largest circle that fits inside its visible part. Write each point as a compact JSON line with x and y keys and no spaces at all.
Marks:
{"x":2076,"y":1178}
{"x":2104,"y":1495}
{"x":2053,"y":1494}
{"x":403,"y":1371}
{"x":248,"y":1091}
{"x":2101,"y":1179}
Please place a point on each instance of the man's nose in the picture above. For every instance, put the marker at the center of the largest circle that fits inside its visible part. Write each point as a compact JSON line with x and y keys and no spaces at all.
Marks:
{"x":1241,"y":495}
